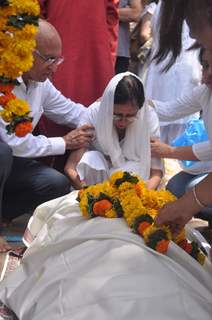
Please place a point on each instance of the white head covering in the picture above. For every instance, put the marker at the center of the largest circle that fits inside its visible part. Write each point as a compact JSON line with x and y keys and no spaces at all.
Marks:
{"x":134,"y":155}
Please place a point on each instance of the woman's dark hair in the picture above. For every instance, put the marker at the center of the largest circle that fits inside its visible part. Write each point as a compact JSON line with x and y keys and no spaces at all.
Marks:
{"x":198,"y":13}
{"x":129,"y":89}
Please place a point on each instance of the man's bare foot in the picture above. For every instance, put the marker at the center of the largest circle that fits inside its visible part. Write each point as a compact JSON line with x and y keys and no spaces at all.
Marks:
{"x":4,"y":245}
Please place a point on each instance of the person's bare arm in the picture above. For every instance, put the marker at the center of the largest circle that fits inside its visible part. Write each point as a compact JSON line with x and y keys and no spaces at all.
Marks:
{"x":155,"y":178}
{"x":176,"y":214}
{"x":146,"y":28}
{"x":130,"y":13}
{"x":163,"y":150}
{"x":70,"y":167}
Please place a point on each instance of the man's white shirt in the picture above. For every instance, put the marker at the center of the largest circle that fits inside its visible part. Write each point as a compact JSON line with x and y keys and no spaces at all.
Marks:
{"x":43,"y":98}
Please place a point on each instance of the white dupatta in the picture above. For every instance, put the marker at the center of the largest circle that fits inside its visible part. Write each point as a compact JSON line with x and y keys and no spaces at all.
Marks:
{"x":134,"y":155}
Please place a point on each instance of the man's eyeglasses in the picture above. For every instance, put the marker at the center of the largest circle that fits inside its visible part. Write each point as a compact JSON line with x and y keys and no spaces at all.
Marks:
{"x":128,"y":118}
{"x":49,"y":60}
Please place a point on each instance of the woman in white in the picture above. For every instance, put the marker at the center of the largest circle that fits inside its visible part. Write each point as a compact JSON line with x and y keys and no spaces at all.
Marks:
{"x":182,"y":76}
{"x":123,"y":126}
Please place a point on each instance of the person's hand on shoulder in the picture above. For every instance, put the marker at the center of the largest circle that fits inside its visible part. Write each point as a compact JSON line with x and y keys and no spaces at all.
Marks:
{"x":79,"y":138}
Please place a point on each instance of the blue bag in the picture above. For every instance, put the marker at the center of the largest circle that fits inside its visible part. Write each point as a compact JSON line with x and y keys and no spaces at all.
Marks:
{"x":195,"y":132}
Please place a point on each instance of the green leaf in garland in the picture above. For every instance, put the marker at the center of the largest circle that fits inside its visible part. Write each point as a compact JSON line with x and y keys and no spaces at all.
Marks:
{"x":155,"y":237}
{"x":91,"y":201}
{"x":20,"y":20}
{"x":118,"y":208}
{"x":4,"y":3}
{"x":127,"y":177}
{"x":5,"y":80}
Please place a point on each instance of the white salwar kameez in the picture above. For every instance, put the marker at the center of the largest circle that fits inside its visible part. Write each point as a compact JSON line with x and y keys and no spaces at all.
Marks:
{"x":184,"y":75}
{"x":98,"y":269}
{"x":108,"y":154}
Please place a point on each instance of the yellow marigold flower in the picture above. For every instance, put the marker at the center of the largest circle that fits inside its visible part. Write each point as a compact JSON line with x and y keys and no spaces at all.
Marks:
{"x":26,"y":6}
{"x":23,"y":48}
{"x":111,"y":214}
{"x":180,"y":237}
{"x":116,"y":175}
{"x":6,"y":115}
{"x":18,"y":107}
{"x":201,"y":258}
{"x":7,"y":11}
{"x":153,"y":213}
{"x":152,"y":229}
{"x":27,"y":33}
{"x":131,"y":218}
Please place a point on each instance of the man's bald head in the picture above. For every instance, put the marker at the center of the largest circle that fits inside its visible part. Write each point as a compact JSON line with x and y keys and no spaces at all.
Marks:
{"x":48,"y":46}
{"x":47,"y":36}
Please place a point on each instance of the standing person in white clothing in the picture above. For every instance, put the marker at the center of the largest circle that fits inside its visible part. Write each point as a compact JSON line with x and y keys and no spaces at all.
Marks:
{"x":168,"y":85}
{"x":123,"y":126}
{"x":30,"y":182}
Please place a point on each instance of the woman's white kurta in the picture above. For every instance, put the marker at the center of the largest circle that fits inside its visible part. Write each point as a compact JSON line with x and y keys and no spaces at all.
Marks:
{"x":184,"y":75}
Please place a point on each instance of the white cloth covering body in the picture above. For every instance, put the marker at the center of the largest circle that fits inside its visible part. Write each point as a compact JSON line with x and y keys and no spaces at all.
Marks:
{"x":184,"y":75}
{"x":108,"y":155}
{"x":43,"y":98}
{"x":98,"y":269}
{"x":200,"y":98}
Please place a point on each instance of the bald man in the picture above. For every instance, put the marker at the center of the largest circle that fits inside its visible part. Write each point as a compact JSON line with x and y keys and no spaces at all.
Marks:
{"x":31,"y":182}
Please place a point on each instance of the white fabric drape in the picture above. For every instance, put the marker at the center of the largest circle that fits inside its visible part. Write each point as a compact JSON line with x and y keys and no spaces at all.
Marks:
{"x":98,"y":269}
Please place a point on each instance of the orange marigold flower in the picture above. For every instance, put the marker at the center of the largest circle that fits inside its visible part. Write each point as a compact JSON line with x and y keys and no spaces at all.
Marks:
{"x":100,"y":207}
{"x":188,"y":248}
{"x":4,"y":99}
{"x":185,"y":245}
{"x":6,"y":88}
{"x":162,"y":246}
{"x":142,"y":227}
{"x":22,"y":128}
{"x":138,"y":189}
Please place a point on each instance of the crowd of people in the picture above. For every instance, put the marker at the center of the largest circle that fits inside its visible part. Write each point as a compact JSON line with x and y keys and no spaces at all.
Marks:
{"x":96,"y":115}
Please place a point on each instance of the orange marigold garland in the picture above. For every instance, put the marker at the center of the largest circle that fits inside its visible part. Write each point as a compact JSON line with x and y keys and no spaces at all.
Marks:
{"x":126,"y":195}
{"x":18,"y":27}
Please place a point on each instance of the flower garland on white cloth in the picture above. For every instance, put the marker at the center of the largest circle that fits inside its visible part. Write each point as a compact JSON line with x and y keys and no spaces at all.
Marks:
{"x":18,"y":27}
{"x":126,"y":195}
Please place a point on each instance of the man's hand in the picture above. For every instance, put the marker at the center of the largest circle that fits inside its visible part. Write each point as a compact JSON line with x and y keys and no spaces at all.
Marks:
{"x":79,"y":138}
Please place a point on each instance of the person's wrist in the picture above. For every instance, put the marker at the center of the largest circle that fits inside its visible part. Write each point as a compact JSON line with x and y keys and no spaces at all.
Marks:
{"x":197,"y":199}
{"x":172,"y":152}
{"x":64,"y":138}
{"x":192,"y":207}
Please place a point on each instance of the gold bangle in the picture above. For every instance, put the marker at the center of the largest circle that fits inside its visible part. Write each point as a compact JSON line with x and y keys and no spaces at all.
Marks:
{"x":200,"y":204}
